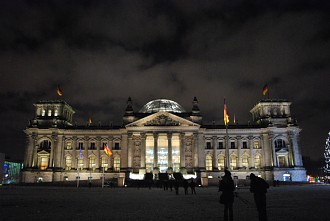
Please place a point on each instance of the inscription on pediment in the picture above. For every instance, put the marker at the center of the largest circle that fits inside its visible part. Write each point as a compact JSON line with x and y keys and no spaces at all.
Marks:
{"x":162,"y":120}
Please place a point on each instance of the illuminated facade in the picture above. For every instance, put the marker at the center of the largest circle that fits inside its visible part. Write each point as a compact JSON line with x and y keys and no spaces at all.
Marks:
{"x":162,"y":137}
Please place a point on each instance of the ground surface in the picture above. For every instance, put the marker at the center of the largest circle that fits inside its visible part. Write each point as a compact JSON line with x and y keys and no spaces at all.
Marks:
{"x":305,"y":202}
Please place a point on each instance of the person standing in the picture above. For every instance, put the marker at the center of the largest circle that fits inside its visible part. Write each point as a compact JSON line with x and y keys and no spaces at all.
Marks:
{"x":227,"y":187}
{"x":192,"y":186}
{"x":258,"y":187}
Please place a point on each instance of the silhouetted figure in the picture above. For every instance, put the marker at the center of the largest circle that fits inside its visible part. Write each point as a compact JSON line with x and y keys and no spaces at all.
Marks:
{"x":185,"y":186}
{"x":192,"y":186}
{"x":170,"y":184}
{"x":227,"y":187}
{"x":259,"y":188}
{"x":176,"y":187}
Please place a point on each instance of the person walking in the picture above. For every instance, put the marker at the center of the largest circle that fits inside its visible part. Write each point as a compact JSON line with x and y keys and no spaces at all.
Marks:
{"x":258,"y":187}
{"x":227,"y":187}
{"x":185,"y":186}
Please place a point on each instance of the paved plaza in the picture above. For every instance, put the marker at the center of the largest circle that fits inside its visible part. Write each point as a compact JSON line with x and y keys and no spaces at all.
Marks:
{"x":299,"y":202}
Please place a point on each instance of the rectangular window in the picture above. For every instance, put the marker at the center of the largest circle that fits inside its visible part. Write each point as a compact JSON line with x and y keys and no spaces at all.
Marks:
{"x":208,"y":145}
{"x":244,"y":145}
{"x":256,"y":145}
{"x":282,"y":161}
{"x":117,"y":146}
{"x":232,"y":145}
{"x":92,"y":147}
{"x":104,"y":163}
{"x":68,"y":145}
{"x":81,"y":145}
{"x":116,"y":164}
{"x":220,"y":145}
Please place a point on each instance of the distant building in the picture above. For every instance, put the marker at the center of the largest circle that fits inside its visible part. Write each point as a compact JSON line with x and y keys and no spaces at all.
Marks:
{"x":2,"y":168}
{"x":10,"y":170}
{"x":162,"y":138}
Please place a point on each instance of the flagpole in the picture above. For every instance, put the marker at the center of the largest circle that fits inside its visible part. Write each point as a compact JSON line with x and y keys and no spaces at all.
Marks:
{"x":102,"y":177}
{"x":227,"y":148}
{"x":226,"y":121}
{"x":78,"y":177}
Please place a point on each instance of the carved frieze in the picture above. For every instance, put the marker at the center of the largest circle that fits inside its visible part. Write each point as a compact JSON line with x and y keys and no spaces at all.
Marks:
{"x":162,"y":120}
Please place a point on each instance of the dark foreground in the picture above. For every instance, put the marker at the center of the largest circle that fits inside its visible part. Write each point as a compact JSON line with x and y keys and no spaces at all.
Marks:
{"x":305,"y":202}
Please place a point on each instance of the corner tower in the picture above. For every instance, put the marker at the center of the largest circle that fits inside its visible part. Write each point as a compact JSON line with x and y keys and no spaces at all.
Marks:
{"x":52,"y":114}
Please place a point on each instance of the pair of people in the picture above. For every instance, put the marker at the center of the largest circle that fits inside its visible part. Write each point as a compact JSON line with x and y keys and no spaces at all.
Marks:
{"x":258,"y":187}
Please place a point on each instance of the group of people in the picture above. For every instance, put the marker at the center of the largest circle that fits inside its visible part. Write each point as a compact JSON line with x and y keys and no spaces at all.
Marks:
{"x":258,"y":187}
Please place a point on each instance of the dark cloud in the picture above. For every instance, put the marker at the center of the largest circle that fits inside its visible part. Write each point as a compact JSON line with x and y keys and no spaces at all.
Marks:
{"x":102,"y":52}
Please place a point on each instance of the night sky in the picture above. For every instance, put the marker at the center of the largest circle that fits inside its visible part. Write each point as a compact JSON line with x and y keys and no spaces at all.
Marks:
{"x":102,"y":52}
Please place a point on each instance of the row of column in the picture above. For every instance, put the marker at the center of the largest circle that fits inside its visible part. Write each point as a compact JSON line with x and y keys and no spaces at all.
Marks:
{"x":139,"y":142}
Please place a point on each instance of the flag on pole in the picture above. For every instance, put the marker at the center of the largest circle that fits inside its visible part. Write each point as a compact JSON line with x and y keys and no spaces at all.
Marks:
{"x":59,"y":91}
{"x":234,"y":119}
{"x":265,"y":89}
{"x":90,"y":120}
{"x":225,"y":113}
{"x":107,"y":150}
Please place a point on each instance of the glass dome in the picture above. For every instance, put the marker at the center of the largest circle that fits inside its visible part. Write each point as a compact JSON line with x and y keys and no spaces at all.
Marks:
{"x":162,"y":105}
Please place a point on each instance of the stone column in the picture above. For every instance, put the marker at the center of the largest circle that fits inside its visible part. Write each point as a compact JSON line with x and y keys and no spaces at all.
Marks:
{"x":169,"y":140}
{"x":60,"y":152}
{"x":74,"y":152}
{"x":155,"y":150}
{"x":214,"y":147}
{"x":110,"y":145}
{"x":239,"y":153}
{"x":29,"y":150}
{"x":268,"y":150}
{"x":85,"y":152}
{"x":130,"y":151}
{"x":182,"y":148}
{"x":296,"y":149}
{"x":251,"y":163}
{"x":98,"y":149}
{"x":201,"y":156}
{"x":195,"y":150}
{"x":143,"y":150}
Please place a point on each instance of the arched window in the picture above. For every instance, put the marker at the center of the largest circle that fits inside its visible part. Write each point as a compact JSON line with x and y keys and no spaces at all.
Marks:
{"x":45,"y":145}
{"x":245,"y":161}
{"x":208,"y":163}
{"x":233,"y":162}
{"x":43,"y":112}
{"x":279,"y":144}
{"x":116,"y":164}
{"x":68,"y":162}
{"x":56,"y":113}
{"x":257,"y":161}
{"x":221,"y":163}
{"x":92,"y":162}
{"x":49,"y":113}
{"x":80,"y":163}
{"x":104,"y":163}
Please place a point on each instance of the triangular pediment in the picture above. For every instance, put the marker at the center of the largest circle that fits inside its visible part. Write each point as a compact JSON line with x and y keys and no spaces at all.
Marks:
{"x":162,"y":118}
{"x":43,"y":152}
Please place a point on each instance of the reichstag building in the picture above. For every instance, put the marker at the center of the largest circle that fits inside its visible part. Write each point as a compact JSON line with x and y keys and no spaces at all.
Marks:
{"x":162,"y":137}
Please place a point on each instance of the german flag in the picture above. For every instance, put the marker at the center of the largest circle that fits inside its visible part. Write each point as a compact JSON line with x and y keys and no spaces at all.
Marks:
{"x":265,"y":89}
{"x":59,"y":91}
{"x":107,"y":150}
{"x":225,"y":113}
